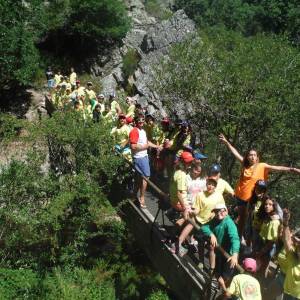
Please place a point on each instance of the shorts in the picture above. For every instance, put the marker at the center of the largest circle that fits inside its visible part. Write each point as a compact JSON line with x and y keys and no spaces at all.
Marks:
{"x":142,"y":166}
{"x":240,"y":202}
{"x":223,"y":267}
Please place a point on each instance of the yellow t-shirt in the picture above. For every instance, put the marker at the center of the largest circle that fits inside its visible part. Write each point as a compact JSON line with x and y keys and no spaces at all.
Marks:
{"x":121,"y":134}
{"x":224,"y":187}
{"x":80,"y":91}
{"x":282,"y":261}
{"x":178,"y":184}
{"x":292,"y":278}
{"x":73,"y":77}
{"x":269,"y":230}
{"x":90,"y":94}
{"x":114,"y":106}
{"x":245,"y":287}
{"x":206,"y":203}
{"x":130,"y":111}
{"x":57,"y":79}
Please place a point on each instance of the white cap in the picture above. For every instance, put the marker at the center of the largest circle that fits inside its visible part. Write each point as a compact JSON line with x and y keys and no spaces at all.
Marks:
{"x":220,"y":206}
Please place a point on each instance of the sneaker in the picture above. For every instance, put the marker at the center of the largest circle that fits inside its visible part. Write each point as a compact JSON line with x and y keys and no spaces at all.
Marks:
{"x":182,"y":251}
{"x":194,"y":246}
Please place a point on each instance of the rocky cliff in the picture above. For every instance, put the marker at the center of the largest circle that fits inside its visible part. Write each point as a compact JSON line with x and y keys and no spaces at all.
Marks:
{"x":150,"y":39}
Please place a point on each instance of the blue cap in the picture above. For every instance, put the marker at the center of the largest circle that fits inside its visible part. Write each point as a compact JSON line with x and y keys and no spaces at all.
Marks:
{"x":185,"y":123}
{"x":199,"y":156}
{"x":215,"y":168}
{"x":261,"y":183}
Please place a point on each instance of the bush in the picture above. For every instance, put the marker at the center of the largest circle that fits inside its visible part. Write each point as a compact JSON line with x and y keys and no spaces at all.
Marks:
{"x":130,"y":62}
{"x":157,"y":9}
{"x":77,"y":284}
{"x":18,"y":284}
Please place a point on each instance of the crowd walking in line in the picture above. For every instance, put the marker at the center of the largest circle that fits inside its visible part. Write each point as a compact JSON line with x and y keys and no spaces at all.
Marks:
{"x":253,"y":231}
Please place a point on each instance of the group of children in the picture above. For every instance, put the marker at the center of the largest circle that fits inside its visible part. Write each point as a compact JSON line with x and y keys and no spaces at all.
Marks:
{"x":259,"y":226}
{"x":257,"y":223}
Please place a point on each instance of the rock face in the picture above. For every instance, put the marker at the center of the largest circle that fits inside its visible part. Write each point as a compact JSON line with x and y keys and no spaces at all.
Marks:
{"x":151,"y":40}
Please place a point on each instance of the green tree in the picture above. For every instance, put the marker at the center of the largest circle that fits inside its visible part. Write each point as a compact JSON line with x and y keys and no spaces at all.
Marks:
{"x":247,"y":16}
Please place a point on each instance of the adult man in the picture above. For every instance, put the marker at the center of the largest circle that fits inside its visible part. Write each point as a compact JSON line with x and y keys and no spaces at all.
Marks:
{"x":222,"y":231}
{"x":139,"y":145}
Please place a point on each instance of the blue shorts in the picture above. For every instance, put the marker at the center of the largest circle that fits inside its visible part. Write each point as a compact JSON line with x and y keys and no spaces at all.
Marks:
{"x":141,"y":164}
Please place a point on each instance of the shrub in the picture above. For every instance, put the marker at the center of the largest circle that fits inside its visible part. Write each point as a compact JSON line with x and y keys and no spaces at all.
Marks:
{"x":77,"y":284}
{"x":130,"y":62}
{"x":18,"y":284}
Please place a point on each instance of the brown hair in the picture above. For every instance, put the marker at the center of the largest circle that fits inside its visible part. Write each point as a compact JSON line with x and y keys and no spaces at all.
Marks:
{"x":246,"y":163}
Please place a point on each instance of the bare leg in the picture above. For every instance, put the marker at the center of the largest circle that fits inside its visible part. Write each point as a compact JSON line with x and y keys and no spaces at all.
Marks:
{"x":185,"y":232}
{"x":222,"y":283}
{"x":212,"y":257}
{"x":143,"y":187}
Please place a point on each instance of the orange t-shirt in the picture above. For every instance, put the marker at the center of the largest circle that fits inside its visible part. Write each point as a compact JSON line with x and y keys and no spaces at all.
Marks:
{"x":248,"y":178}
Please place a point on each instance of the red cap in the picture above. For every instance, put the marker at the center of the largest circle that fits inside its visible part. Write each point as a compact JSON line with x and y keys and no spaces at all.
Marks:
{"x":77,"y":81}
{"x":187,"y":157}
{"x":129,"y":120}
{"x":165,"y":120}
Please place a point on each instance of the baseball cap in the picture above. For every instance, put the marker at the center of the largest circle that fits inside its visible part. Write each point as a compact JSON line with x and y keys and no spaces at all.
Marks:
{"x":199,"y":156}
{"x":187,"y":157}
{"x":249,"y":264}
{"x":101,"y":96}
{"x":184,"y":123}
{"x":261,"y":184}
{"x":77,"y":81}
{"x":214,"y":169}
{"x":89,"y":83}
{"x":129,"y":120}
{"x":220,"y":206}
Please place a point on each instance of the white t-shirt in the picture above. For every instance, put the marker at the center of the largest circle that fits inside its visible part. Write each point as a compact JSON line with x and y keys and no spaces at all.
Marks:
{"x":139,"y":137}
{"x":194,"y":186}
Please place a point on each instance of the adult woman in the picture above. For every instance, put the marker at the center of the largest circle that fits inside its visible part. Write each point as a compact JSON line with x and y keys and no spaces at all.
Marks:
{"x":252,"y":170}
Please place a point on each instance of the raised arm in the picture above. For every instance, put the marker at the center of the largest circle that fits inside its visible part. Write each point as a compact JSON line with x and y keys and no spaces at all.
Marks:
{"x":283,"y":169}
{"x":237,"y":155}
{"x":287,"y":240}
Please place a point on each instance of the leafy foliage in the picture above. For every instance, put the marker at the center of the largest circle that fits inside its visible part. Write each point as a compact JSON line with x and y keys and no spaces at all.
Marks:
{"x":57,"y":227}
{"x":235,"y":86}
{"x":18,"y":284}
{"x":247,"y":16}
{"x":73,"y":24}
